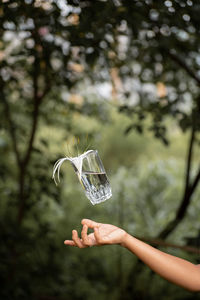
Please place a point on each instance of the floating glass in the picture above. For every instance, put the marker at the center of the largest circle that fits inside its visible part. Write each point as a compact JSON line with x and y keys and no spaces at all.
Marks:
{"x":91,"y":174}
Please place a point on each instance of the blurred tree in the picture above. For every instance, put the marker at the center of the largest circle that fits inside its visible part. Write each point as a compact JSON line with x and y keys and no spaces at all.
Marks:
{"x":148,"y":50}
{"x":37,"y":62}
{"x":151,"y":54}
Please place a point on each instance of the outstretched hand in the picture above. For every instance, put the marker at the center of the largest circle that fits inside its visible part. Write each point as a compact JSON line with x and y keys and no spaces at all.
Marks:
{"x":172,"y":268}
{"x":104,"y":234}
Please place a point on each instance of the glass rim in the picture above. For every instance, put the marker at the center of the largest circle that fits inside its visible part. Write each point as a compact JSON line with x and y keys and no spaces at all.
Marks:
{"x":85,"y":154}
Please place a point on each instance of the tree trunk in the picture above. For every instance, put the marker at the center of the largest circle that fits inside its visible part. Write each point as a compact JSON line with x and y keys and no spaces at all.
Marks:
{"x":189,"y":189}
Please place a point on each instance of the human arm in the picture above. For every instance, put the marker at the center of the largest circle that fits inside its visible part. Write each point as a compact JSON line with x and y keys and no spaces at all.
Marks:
{"x":176,"y":270}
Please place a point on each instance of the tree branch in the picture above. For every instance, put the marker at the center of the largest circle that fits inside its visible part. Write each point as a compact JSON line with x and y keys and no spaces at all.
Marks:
{"x":162,"y":243}
{"x":37,"y":99}
{"x":182,"y":63}
{"x":33,"y":131}
{"x":11,"y":125}
{"x":189,"y":158}
{"x":195,"y":182}
{"x":189,"y":189}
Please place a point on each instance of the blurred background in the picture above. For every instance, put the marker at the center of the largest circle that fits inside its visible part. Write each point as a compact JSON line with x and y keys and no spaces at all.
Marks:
{"x":120,"y":76}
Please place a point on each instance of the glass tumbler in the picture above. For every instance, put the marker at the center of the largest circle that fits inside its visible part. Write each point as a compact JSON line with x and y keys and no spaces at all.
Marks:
{"x":93,"y":178}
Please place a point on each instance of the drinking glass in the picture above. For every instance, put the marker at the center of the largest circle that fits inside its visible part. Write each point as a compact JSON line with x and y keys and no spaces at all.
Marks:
{"x":93,"y":178}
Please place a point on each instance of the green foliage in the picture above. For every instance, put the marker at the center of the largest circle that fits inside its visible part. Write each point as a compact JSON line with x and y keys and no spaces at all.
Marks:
{"x":50,"y":51}
{"x":144,"y":199}
{"x":148,"y":42}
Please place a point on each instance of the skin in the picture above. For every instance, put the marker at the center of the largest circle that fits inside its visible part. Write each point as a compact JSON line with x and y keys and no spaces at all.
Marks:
{"x":174,"y":269}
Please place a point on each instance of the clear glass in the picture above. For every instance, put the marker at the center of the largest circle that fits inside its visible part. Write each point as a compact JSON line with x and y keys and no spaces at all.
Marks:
{"x":94,"y":179}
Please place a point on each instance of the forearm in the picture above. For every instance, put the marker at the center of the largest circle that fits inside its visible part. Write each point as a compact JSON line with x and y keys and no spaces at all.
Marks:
{"x":172,"y":268}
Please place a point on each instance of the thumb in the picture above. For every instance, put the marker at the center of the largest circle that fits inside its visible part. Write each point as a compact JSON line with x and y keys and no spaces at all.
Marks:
{"x":90,"y":223}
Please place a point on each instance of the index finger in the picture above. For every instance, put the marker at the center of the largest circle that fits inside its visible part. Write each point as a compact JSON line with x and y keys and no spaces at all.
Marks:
{"x":90,"y":223}
{"x":84,"y":235}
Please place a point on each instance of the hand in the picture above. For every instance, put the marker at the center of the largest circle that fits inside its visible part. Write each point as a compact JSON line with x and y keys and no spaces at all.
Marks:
{"x":104,"y":234}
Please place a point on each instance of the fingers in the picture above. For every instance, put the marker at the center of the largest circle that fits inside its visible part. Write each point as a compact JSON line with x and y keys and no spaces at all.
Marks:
{"x":85,"y":241}
{"x":90,"y":223}
{"x":69,"y":243}
{"x":84,"y":236}
{"x":77,"y":240}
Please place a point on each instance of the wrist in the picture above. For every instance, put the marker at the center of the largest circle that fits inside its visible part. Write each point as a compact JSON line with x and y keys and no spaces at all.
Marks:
{"x":125,"y":239}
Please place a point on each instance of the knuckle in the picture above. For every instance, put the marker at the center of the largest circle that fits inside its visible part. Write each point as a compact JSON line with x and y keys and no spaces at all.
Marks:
{"x":74,"y":239}
{"x":78,"y":245}
{"x":84,"y":239}
{"x":98,"y":239}
{"x":82,"y":235}
{"x":86,"y":243}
